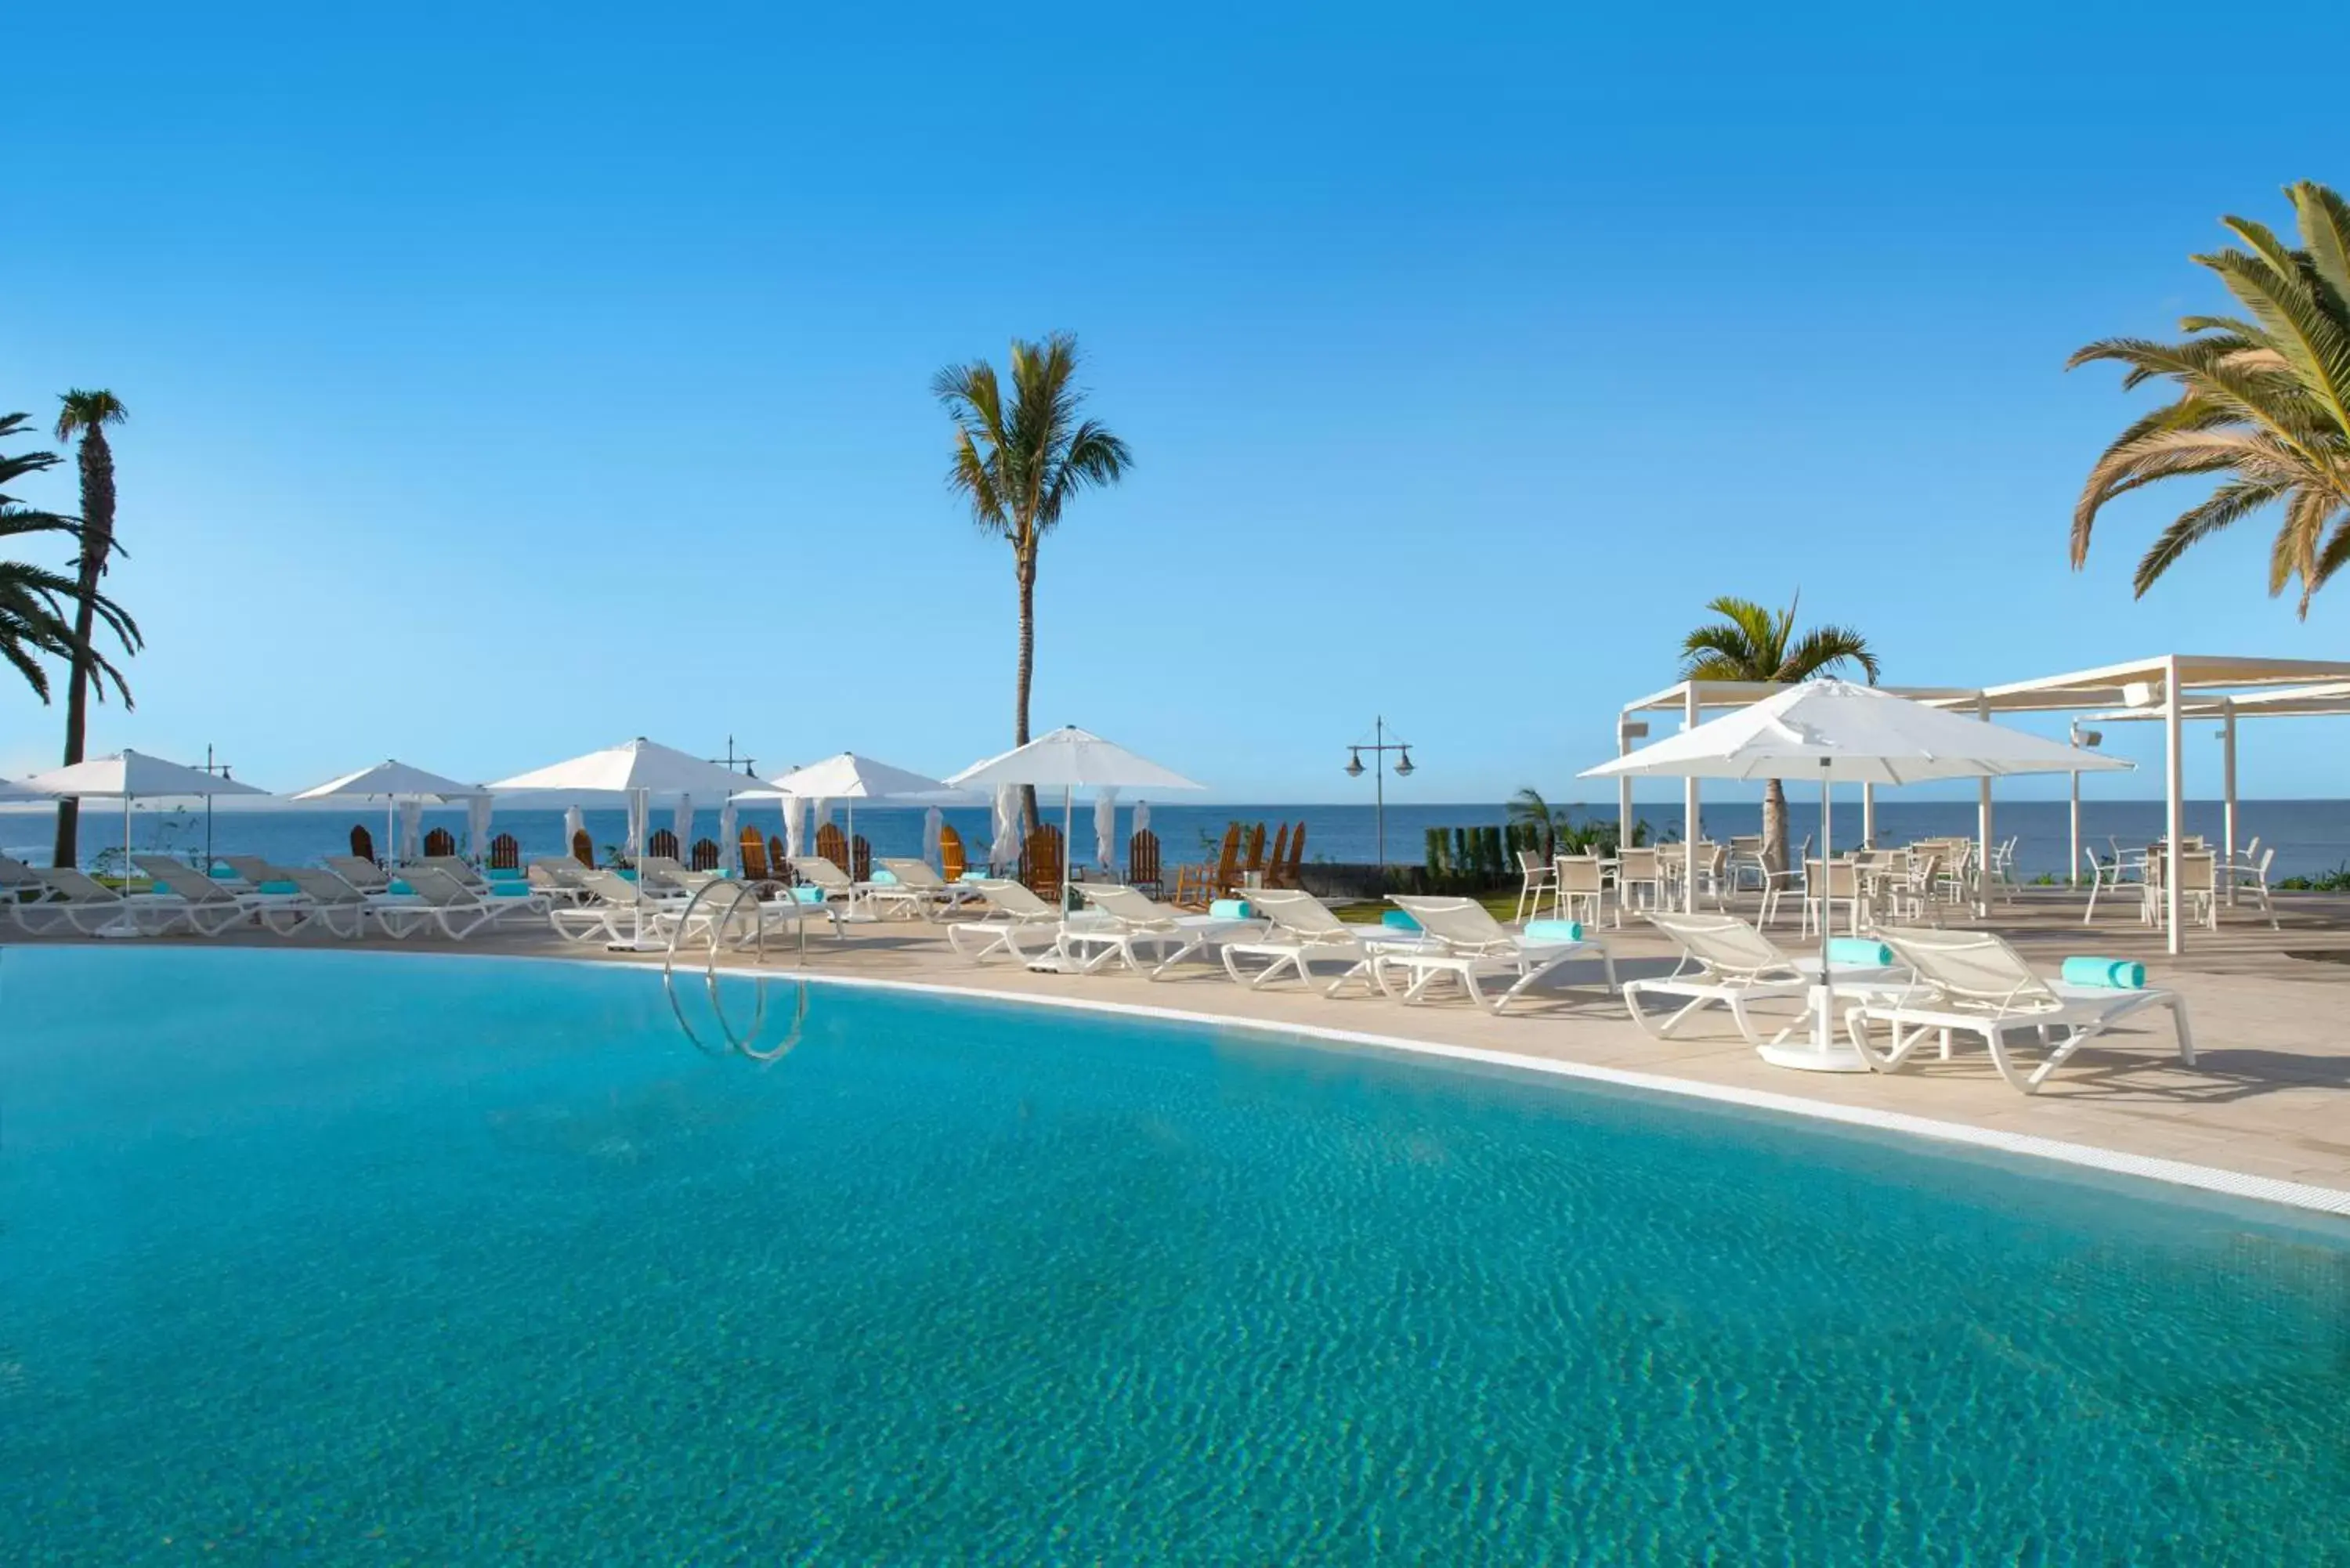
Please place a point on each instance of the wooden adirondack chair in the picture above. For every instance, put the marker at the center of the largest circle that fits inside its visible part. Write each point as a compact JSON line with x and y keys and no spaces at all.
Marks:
{"x":663,"y":843}
{"x":583,"y":848}
{"x":1255,"y":855}
{"x":439,"y":841}
{"x":833,"y":845}
{"x":1297,"y":854}
{"x":951,"y":864}
{"x":506,"y":854}
{"x":1142,"y":863}
{"x":860,"y":854}
{"x":362,"y":843}
{"x":755,"y":856}
{"x":1197,"y":886}
{"x":1041,"y":863}
{"x":1280,"y":854}
{"x":705,"y":856}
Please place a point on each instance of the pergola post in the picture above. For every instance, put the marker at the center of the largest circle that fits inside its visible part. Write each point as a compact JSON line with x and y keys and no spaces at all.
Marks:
{"x":2228,"y":793}
{"x":1982,"y":825}
{"x":2174,"y":817}
{"x":1689,"y":807}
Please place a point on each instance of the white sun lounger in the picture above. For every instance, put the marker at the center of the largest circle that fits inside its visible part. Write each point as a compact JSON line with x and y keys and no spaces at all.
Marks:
{"x":1017,"y":922}
{"x":1127,"y":922}
{"x":919,"y":888}
{"x":558,"y":878}
{"x":206,"y":908}
{"x":1464,"y":940}
{"x":323,"y":900}
{"x":1973,"y":983}
{"x":76,"y":901}
{"x":611,"y":913}
{"x":440,"y":900}
{"x":1303,"y":930}
{"x":1737,"y":965}
{"x":666,"y":873}
{"x":21,"y":885}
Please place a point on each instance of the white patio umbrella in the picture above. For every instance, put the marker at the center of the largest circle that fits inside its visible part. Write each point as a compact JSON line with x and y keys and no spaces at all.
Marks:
{"x":131,"y":775}
{"x":934,"y":822}
{"x":681,"y":822}
{"x":410,"y":845}
{"x":850,"y":777}
{"x":1004,"y":848}
{"x":1837,"y":732}
{"x":795,"y":827}
{"x":10,"y":790}
{"x":637,"y":770}
{"x":1071,"y":759}
{"x":391,"y":782}
{"x":729,"y":841}
{"x":1106,"y":827}
{"x":478,"y":811}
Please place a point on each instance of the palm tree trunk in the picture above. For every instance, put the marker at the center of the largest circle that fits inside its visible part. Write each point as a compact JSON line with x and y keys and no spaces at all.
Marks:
{"x":1774,"y":826}
{"x":97,"y":537}
{"x":1025,"y":564}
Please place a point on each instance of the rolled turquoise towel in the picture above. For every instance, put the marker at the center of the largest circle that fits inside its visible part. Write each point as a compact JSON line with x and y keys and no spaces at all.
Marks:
{"x":1229,"y":908}
{"x":400,"y":888}
{"x":808,"y":895}
{"x":1860,"y":952}
{"x":2114,"y":974}
{"x":1400,"y":919}
{"x":885,"y":878}
{"x":278,"y":887}
{"x":1554,"y":931}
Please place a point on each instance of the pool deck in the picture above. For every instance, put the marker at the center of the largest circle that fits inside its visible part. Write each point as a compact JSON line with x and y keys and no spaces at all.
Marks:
{"x":2269,"y":1097}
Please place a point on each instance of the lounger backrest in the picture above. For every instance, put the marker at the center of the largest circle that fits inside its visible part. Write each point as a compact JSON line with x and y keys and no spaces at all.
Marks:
{"x":1457,"y":922}
{"x":321,"y":886}
{"x":16,"y":874}
{"x":435,"y":885}
{"x":1724,"y":944}
{"x":1299,"y":913}
{"x":912,"y":873}
{"x":78,"y":889}
{"x":255,"y":870}
{"x":1967,"y":966}
{"x":183,"y":879}
{"x":1010,"y":898}
{"x":454,"y":868}
{"x":357,"y":872}
{"x":555,"y":871}
{"x":610,"y":887}
{"x":1123,"y":903}
{"x":823,"y":872}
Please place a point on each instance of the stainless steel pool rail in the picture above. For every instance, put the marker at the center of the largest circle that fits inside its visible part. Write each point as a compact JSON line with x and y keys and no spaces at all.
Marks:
{"x":719,"y":928}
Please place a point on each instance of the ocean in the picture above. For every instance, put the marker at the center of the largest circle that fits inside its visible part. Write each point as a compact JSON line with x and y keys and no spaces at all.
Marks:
{"x":2310,"y":835}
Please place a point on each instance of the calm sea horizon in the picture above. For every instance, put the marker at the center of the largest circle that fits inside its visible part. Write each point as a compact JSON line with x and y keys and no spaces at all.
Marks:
{"x":2309,"y":835}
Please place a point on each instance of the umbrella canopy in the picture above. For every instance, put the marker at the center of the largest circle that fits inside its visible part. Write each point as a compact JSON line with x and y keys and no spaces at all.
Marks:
{"x":1837,"y":732}
{"x":1071,"y":758}
{"x":637,"y":766}
{"x":390,"y":777}
{"x":10,"y":790}
{"x":851,"y":778}
{"x":135,"y":775}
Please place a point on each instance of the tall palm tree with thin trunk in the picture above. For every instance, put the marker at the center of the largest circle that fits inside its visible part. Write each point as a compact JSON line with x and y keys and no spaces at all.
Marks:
{"x":2263,"y":403}
{"x":1018,"y":463}
{"x":87,"y":414}
{"x":33,"y":621}
{"x":1751,"y":643}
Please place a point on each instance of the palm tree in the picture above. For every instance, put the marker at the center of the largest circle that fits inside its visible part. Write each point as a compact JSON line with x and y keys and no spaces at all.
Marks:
{"x":1750,"y":643}
{"x":31,"y":598}
{"x":1019,"y":464}
{"x":87,"y":414}
{"x":2263,"y":403}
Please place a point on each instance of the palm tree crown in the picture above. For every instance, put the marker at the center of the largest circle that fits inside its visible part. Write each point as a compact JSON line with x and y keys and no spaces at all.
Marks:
{"x":2264,"y":403}
{"x":1751,"y":643}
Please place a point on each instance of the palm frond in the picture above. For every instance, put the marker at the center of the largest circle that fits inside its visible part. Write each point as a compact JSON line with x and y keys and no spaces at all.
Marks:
{"x":1823,"y":648}
{"x":2228,"y":505}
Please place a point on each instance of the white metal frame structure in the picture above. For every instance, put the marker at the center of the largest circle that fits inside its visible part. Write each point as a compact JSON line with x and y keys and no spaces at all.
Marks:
{"x":2171,"y":688}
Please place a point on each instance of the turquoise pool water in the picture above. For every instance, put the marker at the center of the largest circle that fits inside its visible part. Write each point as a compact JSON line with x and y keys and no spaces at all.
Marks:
{"x":334,"y":1258}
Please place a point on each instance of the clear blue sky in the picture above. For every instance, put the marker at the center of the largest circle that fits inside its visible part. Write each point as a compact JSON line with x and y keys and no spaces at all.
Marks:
{"x":509,"y":380}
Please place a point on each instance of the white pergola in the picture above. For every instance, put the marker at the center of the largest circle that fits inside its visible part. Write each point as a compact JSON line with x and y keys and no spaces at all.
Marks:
{"x":2173,"y":687}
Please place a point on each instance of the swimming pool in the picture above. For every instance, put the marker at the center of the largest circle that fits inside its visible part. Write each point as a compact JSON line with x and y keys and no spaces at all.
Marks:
{"x":342,"y":1257}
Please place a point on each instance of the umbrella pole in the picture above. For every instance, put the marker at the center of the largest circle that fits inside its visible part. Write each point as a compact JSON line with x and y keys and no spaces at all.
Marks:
{"x":1068,"y":825}
{"x":1827,"y":911}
